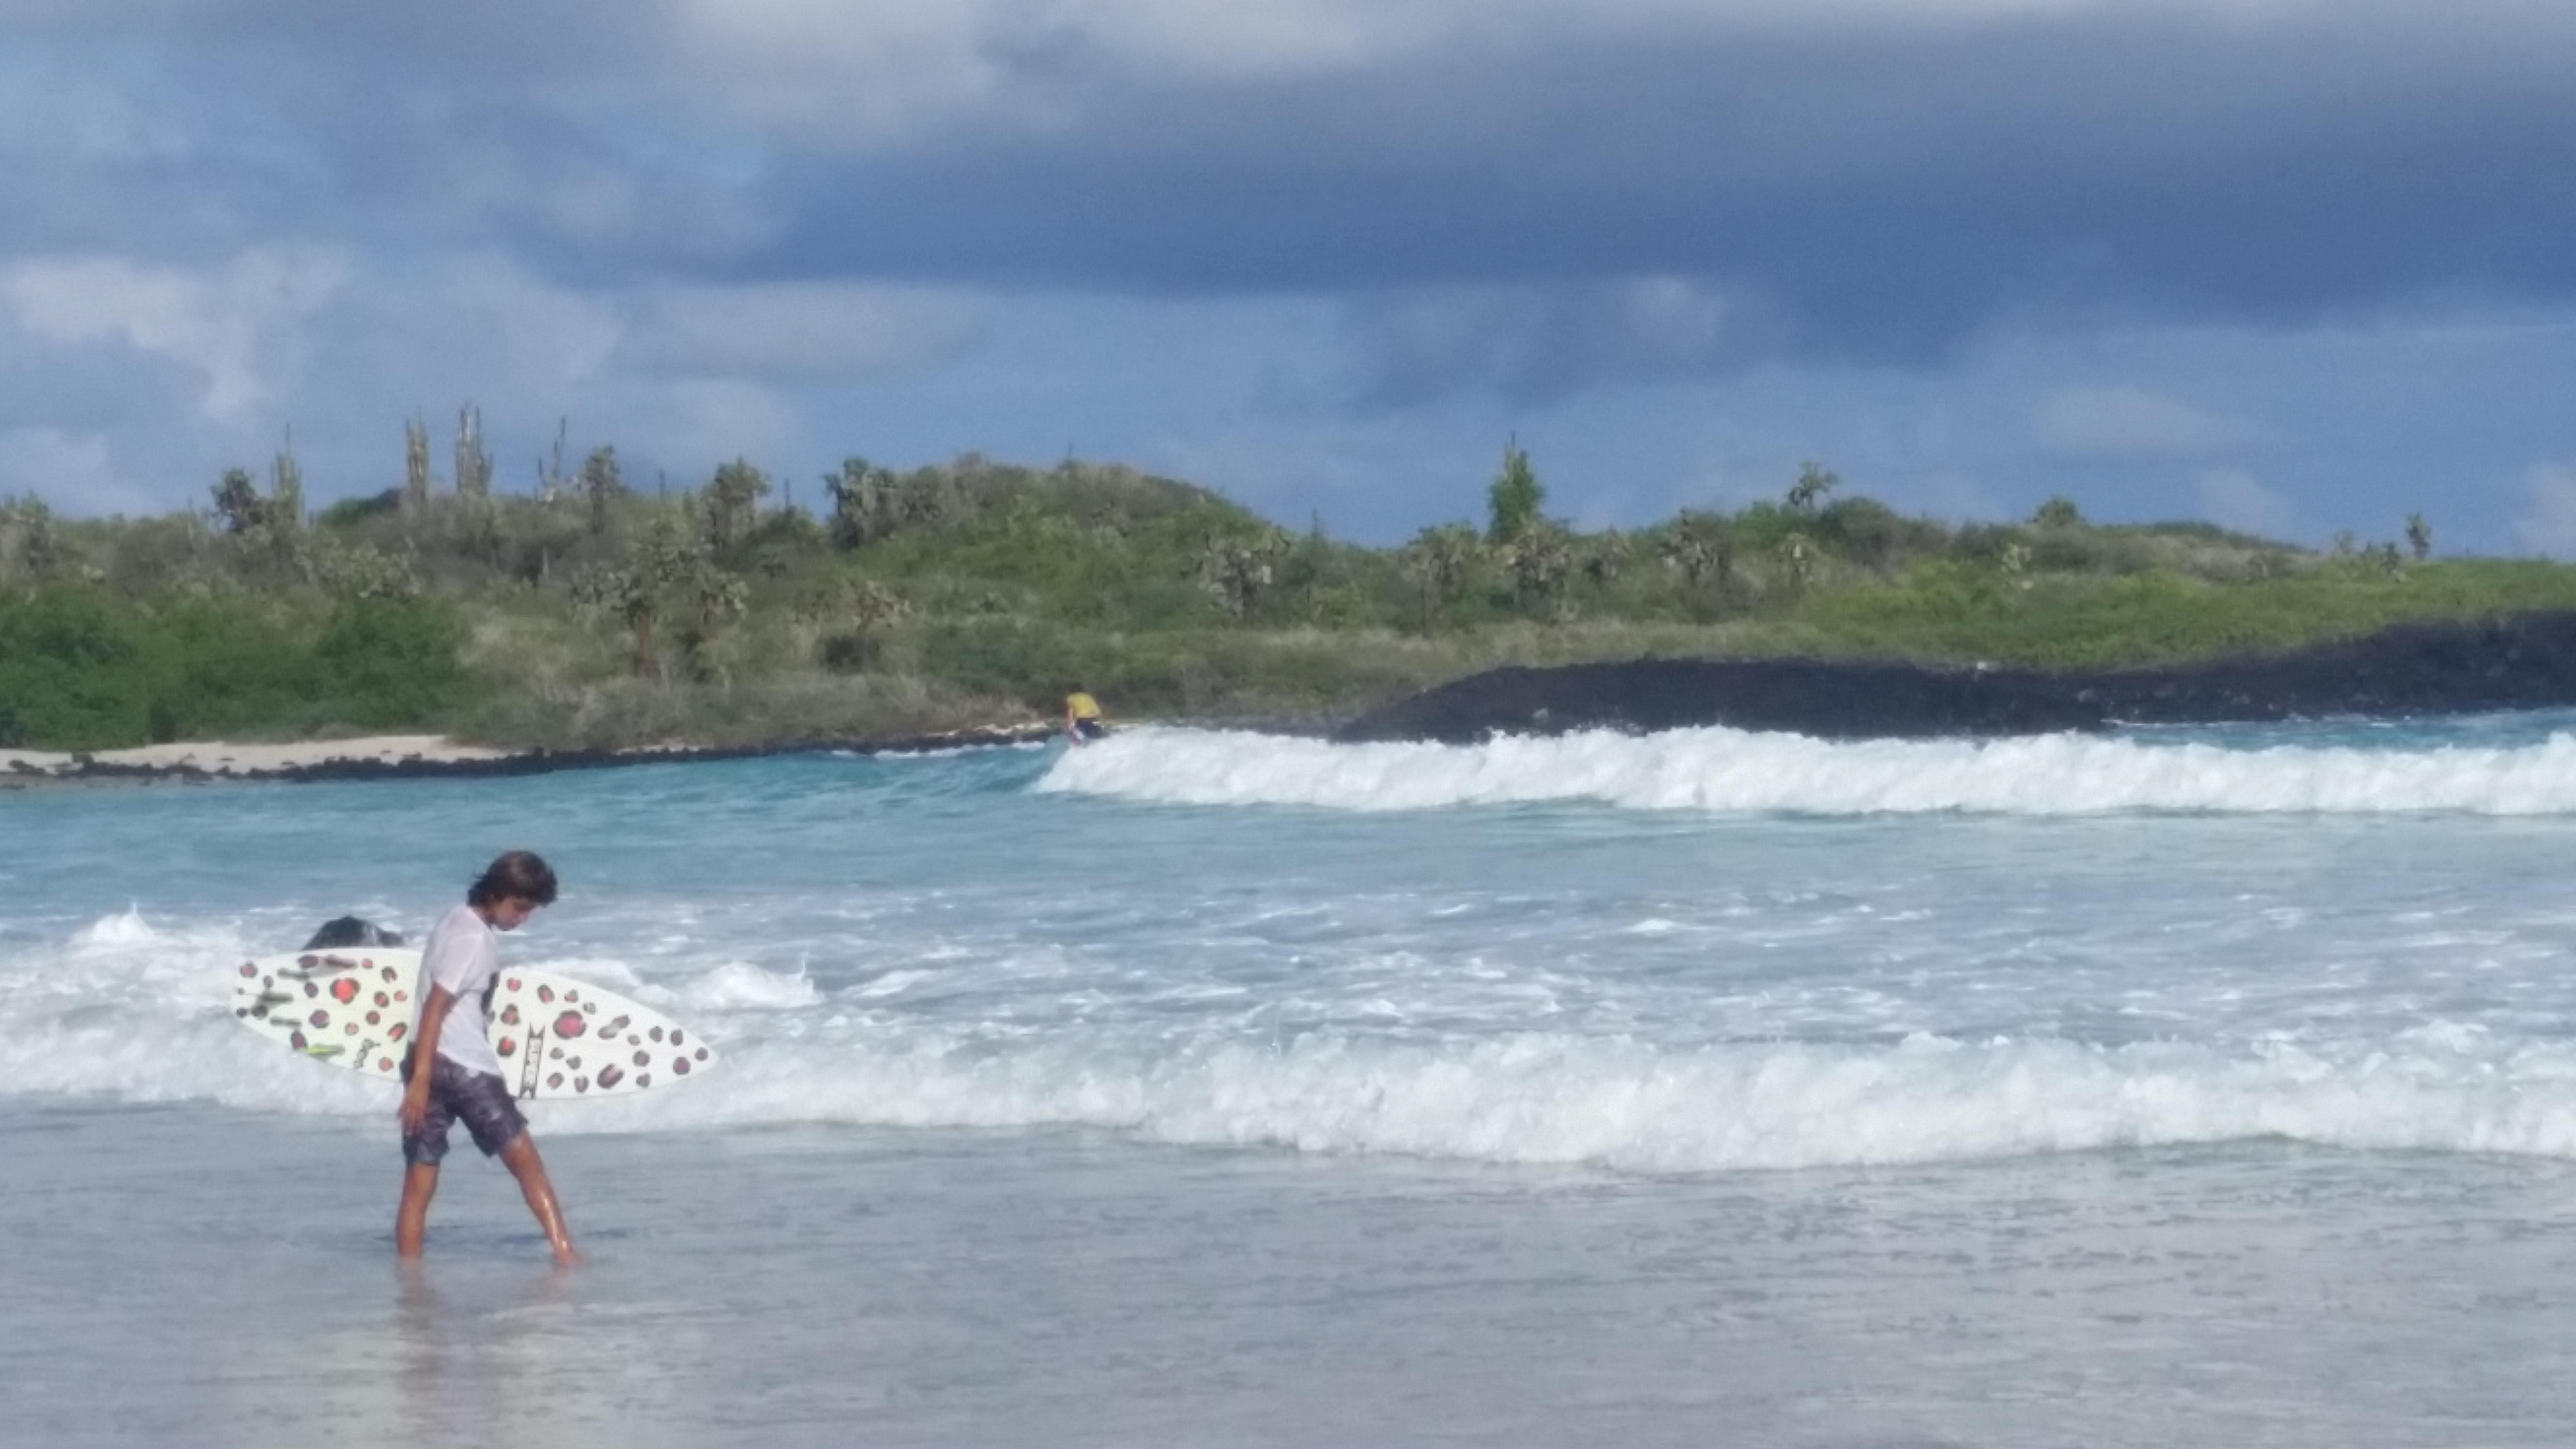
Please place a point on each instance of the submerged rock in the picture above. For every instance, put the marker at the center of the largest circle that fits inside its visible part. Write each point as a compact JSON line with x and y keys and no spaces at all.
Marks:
{"x":2523,"y":661}
{"x":347,"y":931}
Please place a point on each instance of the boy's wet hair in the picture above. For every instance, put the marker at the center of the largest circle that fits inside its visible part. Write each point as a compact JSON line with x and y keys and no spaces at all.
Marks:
{"x":517,"y":875}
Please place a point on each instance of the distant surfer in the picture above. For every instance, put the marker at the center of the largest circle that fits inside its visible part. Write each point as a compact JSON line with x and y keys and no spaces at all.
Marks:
{"x":1083,"y":721}
{"x":451,"y":1073}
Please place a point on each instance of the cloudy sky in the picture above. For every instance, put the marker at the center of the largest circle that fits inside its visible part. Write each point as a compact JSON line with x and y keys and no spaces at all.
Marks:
{"x":2292,"y":265}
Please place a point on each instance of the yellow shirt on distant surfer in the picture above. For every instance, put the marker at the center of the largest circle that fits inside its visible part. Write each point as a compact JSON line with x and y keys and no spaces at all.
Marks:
{"x":1082,"y":719}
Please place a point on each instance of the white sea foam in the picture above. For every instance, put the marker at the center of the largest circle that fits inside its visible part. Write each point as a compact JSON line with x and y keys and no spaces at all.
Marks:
{"x":1541,"y":1099}
{"x":741,"y":986}
{"x":1734,"y":770}
{"x":598,"y":971}
{"x":1533,"y":1099}
{"x":125,"y":929}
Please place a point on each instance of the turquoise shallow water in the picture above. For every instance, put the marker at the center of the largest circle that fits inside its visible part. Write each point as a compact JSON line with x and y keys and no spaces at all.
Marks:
{"x":1707,"y":1088}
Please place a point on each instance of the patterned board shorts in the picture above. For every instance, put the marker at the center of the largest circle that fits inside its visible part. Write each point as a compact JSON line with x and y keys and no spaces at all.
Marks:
{"x":480,"y":1100}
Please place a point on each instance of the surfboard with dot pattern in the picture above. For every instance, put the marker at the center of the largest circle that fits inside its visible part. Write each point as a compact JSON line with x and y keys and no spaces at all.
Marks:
{"x":556,"y":1036}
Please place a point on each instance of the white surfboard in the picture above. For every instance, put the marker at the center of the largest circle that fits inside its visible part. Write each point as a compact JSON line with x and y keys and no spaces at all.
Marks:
{"x":557,"y":1037}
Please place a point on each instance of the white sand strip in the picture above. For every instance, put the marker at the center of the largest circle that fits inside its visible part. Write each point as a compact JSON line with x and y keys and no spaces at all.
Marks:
{"x":218,"y":756}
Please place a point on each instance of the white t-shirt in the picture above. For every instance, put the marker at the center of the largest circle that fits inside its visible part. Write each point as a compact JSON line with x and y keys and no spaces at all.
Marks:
{"x":463,"y":955}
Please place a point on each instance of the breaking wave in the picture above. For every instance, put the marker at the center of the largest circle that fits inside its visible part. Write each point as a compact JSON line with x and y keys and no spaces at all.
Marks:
{"x":141,"y":1018}
{"x":1562,"y":1100}
{"x":1728,"y":770}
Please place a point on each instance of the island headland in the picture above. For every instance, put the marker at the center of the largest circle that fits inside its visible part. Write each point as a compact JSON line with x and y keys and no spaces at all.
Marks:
{"x":452,"y":630}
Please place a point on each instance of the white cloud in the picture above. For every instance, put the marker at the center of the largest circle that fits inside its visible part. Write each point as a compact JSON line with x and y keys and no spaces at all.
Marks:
{"x":75,"y":471}
{"x":2548,"y":521}
{"x":479,"y":326}
{"x":2131,"y":424}
{"x":818,"y":329}
{"x":233,"y":324}
{"x":2236,"y":499}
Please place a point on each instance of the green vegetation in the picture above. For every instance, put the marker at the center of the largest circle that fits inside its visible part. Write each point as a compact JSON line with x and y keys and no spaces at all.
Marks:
{"x":974,"y":592}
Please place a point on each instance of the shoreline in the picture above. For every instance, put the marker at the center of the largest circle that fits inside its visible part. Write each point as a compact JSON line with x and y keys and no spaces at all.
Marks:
{"x":426,"y":757}
{"x":2516,"y":662}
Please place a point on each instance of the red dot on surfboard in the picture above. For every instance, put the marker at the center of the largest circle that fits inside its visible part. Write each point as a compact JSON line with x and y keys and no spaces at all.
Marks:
{"x":570,"y":1024}
{"x":344,"y":991}
{"x":383,"y":1000}
{"x":384,"y":1064}
{"x":553,"y":1080}
{"x":509,"y":1016}
{"x":680,"y":1066}
{"x":509,"y":1046}
{"x":514,"y":983}
{"x":374,"y":1016}
{"x":399,"y":1028}
{"x":581,"y":1084}
{"x":350,"y":1030}
{"x":295,"y":1039}
{"x":643,"y":1059}
{"x":249,"y":969}
{"x":390,"y":974}
{"x":320,"y":1018}
{"x":610,"y":1076}
{"x":545,"y":993}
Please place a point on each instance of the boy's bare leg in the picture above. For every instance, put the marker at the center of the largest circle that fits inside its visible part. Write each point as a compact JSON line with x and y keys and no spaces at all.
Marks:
{"x":524,"y":1164}
{"x":411,"y":1220}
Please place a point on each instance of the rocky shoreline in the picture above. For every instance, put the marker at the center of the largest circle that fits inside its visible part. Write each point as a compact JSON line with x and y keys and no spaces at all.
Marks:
{"x":2522,"y":661}
{"x":426,"y":757}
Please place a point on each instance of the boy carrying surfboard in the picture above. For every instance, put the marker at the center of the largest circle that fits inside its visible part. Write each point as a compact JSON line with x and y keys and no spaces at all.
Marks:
{"x":451,"y":1073}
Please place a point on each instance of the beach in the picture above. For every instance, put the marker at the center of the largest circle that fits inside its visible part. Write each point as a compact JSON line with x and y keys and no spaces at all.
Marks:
{"x":429,"y":756}
{"x":219,"y":757}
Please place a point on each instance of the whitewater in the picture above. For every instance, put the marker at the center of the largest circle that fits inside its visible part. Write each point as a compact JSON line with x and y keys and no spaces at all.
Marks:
{"x":1733,"y":770}
{"x":1625,"y":1028}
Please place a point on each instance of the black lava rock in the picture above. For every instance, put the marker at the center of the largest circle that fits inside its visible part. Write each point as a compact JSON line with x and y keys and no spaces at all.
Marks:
{"x":348,"y":931}
{"x":2522,"y":661}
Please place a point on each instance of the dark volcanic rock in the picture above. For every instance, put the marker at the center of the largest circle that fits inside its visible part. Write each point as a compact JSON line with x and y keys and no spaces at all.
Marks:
{"x":2520,"y":661}
{"x":2524,"y":661}
{"x":1832,"y":700}
{"x":342,"y":932}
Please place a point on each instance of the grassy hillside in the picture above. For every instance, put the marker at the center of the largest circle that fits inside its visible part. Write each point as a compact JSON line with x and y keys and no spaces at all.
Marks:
{"x":974,"y":592}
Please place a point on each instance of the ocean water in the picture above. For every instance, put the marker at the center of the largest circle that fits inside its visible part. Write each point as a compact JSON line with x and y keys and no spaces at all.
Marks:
{"x":2179,"y":1087}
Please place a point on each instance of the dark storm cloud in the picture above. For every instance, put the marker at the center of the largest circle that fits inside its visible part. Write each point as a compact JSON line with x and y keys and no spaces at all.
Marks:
{"x":1884,"y":193}
{"x":1865,"y":182}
